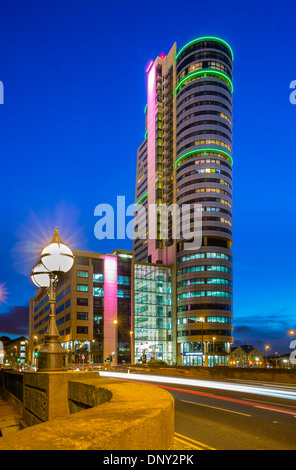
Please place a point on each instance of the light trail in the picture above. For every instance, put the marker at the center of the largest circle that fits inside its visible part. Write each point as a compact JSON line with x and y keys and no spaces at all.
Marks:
{"x":272,"y":392}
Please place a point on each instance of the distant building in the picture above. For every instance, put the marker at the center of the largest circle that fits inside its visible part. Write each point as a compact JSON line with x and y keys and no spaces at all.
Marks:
{"x":281,"y":361}
{"x":246,"y":356}
{"x":15,"y":351}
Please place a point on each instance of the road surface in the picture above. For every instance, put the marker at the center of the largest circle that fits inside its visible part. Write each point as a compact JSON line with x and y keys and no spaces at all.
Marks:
{"x":229,"y":415}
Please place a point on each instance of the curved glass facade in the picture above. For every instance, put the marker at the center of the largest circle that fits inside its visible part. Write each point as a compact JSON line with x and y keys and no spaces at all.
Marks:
{"x":204,"y":83}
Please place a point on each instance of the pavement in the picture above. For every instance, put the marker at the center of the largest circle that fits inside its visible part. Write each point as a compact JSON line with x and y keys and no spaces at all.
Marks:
{"x":9,"y":419}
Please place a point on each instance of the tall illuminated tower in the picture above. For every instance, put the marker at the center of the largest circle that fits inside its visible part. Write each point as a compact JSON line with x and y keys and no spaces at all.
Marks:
{"x":186,"y":158}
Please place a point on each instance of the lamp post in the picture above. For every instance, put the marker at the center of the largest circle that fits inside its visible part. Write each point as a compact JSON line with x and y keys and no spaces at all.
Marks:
{"x":56,"y":259}
{"x":132,"y":347}
{"x":214,"y":351}
{"x":202,"y":340}
{"x":266,"y":349}
{"x":292,"y":333}
{"x":116,"y":355}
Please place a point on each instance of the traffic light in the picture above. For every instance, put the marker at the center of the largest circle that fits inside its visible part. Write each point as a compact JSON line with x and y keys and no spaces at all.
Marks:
{"x":109,"y":358}
{"x":36,"y":352}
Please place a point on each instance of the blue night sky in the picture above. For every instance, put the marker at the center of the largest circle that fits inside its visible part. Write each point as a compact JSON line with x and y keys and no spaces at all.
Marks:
{"x":73,"y":118}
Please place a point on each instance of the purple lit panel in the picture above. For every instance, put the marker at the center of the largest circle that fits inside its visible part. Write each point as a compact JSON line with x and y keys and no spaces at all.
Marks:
{"x":110,"y":306}
{"x":151,"y":93}
{"x":149,"y":66}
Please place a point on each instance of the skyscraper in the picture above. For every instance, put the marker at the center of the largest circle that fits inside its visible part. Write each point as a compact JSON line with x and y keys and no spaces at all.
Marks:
{"x":186,"y":158}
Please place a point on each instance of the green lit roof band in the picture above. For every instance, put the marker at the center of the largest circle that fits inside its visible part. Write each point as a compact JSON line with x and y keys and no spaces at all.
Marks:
{"x":205,"y":72}
{"x":192,"y":152}
{"x":141,"y":198}
{"x":206,"y":38}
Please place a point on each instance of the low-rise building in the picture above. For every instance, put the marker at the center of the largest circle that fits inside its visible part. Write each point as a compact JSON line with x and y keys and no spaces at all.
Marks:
{"x":14,"y":352}
{"x":246,"y":356}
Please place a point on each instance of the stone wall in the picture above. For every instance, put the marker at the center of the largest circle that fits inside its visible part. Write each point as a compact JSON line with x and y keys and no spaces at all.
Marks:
{"x":116,"y":415}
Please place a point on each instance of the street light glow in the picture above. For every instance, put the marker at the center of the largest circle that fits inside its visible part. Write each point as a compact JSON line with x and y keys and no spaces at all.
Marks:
{"x":3,"y":293}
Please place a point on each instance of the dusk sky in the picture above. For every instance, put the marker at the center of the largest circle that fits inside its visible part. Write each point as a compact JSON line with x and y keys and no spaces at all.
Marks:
{"x":73,"y":118}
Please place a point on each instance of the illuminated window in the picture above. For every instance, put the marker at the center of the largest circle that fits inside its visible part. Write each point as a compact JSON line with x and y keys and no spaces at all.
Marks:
{"x":82,"y":274}
{"x":82,"y":288}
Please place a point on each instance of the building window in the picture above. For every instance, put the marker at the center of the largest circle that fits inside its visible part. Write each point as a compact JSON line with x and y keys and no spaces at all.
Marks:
{"x":82,"y":316}
{"x":123,"y":280}
{"x":98,"y":277}
{"x":82,"y":288}
{"x":98,"y":292}
{"x":82,"y":274}
{"x":82,"y":330}
{"x":83,"y":302}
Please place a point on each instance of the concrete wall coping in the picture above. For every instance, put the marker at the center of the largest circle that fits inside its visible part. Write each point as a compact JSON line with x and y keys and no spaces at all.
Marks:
{"x":137,"y":417}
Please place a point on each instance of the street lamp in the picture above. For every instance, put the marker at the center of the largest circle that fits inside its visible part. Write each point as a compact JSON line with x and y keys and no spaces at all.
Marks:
{"x":292,"y":333}
{"x":202,"y":340}
{"x":56,"y":259}
{"x":266,"y":349}
{"x":132,"y":346}
{"x":214,"y":351}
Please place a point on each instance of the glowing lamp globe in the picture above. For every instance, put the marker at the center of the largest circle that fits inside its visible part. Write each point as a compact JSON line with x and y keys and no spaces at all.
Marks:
{"x":40,"y":276}
{"x":57,"y":257}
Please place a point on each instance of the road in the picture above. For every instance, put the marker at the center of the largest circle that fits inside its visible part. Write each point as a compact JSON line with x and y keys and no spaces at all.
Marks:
{"x":230,"y":415}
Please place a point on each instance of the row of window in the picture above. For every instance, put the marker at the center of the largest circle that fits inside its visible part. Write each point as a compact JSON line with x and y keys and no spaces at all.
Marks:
{"x":208,"y":64}
{"x":205,"y":44}
{"x":205,"y":180}
{"x":201,"y":161}
{"x":62,"y":294}
{"x":195,"y":269}
{"x":63,"y":319}
{"x":203,"y":113}
{"x":204,"y":55}
{"x":204,"y":82}
{"x":190,"y":295}
{"x":185,"y":321}
{"x":63,"y":306}
{"x":215,"y":209}
{"x":206,"y":132}
{"x":203,"y":93}
{"x":41,"y":312}
{"x":201,"y":306}
{"x":79,"y":330}
{"x":206,"y":190}
{"x":204,"y":142}
{"x":193,"y":78}
{"x":205,"y":333}
{"x":208,"y":103}
{"x":205,"y":256}
{"x":206,"y":171}
{"x":204,"y":122}
{"x":190,"y":282}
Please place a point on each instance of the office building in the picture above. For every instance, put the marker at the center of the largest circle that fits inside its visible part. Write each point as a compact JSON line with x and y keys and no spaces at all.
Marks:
{"x":108,"y":306}
{"x":186,"y":159}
